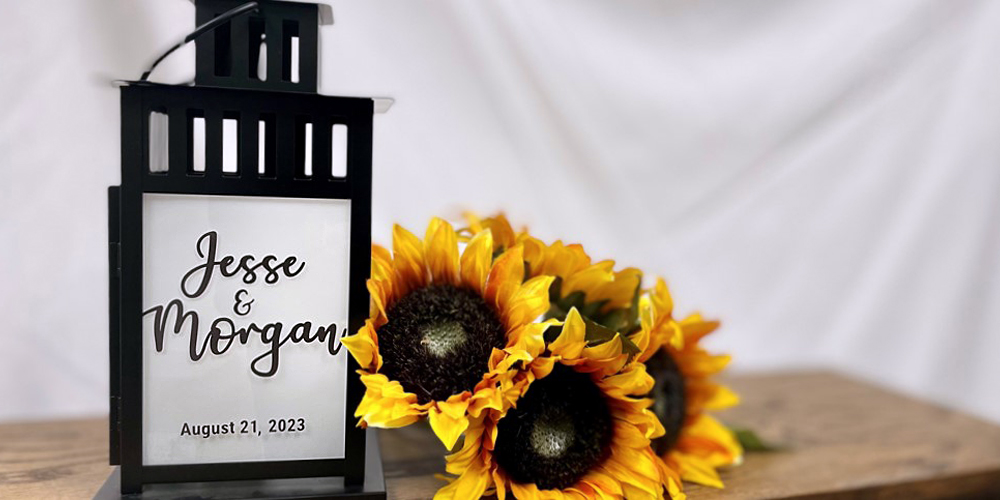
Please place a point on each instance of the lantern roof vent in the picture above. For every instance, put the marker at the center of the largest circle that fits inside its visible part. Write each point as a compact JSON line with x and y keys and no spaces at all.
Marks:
{"x":273,"y":47}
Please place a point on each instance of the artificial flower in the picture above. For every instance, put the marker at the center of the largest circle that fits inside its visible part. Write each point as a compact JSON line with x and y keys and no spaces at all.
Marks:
{"x":442,"y":327}
{"x":602,"y":294}
{"x":694,"y":444}
{"x":578,"y":427}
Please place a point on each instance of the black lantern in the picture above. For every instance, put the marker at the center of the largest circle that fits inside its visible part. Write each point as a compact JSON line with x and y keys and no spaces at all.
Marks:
{"x":239,"y":250}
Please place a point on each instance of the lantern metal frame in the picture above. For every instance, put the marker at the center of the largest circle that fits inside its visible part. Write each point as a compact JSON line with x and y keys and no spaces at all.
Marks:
{"x":287,"y":106}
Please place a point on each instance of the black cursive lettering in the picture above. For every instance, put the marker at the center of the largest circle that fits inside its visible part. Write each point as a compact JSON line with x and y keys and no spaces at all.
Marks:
{"x":197,"y":279}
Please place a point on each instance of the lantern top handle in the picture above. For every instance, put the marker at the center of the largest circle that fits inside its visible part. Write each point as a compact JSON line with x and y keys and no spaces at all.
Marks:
{"x":200,"y":30}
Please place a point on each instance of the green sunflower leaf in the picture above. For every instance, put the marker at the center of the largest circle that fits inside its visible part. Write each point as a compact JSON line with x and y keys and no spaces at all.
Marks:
{"x":601,"y":327}
{"x":623,"y":320}
{"x":559,"y":306}
{"x":615,"y":320}
{"x":629,"y":347}
{"x":555,"y":289}
{"x":751,"y":442}
{"x":598,"y":334}
{"x":590,"y":309}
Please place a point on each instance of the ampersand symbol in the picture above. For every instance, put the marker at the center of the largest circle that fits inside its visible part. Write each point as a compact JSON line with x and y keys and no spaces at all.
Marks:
{"x":242,"y":308}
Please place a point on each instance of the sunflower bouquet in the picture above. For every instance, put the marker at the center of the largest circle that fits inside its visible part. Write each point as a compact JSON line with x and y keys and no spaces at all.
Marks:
{"x":563,"y":377}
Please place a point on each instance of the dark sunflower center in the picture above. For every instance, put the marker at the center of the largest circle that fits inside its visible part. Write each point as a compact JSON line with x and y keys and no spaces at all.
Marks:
{"x":668,"y":399}
{"x":438,"y":341}
{"x":560,"y":429}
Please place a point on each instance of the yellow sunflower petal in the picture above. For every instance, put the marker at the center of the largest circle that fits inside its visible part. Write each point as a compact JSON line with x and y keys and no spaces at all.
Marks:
{"x":634,"y":411}
{"x":603,"y":484}
{"x":385,"y":403}
{"x":500,"y":490}
{"x":379,"y":300}
{"x":722,"y":398}
{"x":362,"y":345}
{"x":589,"y":278}
{"x":619,"y":291}
{"x":703,"y":364}
{"x":673,"y":334}
{"x":525,"y":491}
{"x":471,"y":484}
{"x":629,"y":436}
{"x":674,"y":490}
{"x":572,"y":340}
{"x":563,"y":260}
{"x":645,"y":339}
{"x":541,"y":367}
{"x":380,"y":253}
{"x":485,"y":399}
{"x":605,"y":350}
{"x":633,"y":485}
{"x":504,"y":232}
{"x":474,"y":221}
{"x":448,"y":421}
{"x":408,"y":261}
{"x":381,"y":265}
{"x":695,"y":328}
{"x":633,"y":380}
{"x":441,"y":252}
{"x":529,"y":302}
{"x":534,"y":254}
{"x":529,"y":339}
{"x":632,"y":492}
{"x":710,"y":437}
{"x":639,"y":461}
{"x":476,"y":260}
{"x":662,"y":300}
{"x":505,"y":278}
{"x":699,"y":471}
{"x":458,"y":462}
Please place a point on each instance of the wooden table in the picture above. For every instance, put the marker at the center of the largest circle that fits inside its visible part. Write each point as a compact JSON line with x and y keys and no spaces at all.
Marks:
{"x":841,"y":439}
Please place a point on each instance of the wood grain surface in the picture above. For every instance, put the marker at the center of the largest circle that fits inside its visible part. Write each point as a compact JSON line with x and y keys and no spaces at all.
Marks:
{"x":840,"y":438}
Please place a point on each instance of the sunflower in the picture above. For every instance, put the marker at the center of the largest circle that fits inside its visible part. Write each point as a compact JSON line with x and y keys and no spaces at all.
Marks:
{"x":694,"y":444}
{"x":575,"y":425}
{"x":602,"y":295}
{"x":442,"y":327}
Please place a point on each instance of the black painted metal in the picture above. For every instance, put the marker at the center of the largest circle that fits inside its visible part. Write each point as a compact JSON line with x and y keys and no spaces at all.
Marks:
{"x":227,"y":57}
{"x":231,"y":93}
{"x":372,"y":488}
{"x":114,"y":298}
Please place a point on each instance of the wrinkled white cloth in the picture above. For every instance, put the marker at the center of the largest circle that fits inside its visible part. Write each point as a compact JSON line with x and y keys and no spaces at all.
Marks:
{"x":823,"y":176}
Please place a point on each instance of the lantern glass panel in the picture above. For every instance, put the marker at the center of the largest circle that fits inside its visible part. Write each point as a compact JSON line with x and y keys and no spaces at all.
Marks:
{"x":202,"y":327}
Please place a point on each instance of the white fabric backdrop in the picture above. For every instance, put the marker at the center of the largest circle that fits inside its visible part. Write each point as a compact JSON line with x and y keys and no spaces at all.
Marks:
{"x":823,"y":176}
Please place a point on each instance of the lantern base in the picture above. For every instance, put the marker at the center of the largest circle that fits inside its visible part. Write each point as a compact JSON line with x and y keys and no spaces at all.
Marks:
{"x":314,"y":488}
